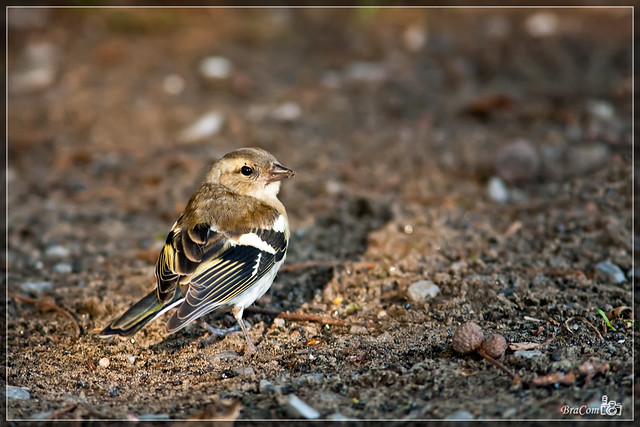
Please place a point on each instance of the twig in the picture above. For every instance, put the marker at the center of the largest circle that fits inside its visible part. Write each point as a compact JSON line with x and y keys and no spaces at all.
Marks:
{"x":311,"y":264}
{"x":516,"y":379}
{"x":592,"y":327}
{"x":566,"y":325}
{"x":47,"y":304}
{"x":55,"y":414}
{"x":309,"y":317}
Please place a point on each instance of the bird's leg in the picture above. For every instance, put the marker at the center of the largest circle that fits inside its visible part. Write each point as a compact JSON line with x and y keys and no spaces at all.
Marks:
{"x":218,"y":332}
{"x":237,"y":313}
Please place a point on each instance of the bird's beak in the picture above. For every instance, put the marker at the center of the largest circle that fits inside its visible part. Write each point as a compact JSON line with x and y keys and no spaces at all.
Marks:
{"x":278,"y":173}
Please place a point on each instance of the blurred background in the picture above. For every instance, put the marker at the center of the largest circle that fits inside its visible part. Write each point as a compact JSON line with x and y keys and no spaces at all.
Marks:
{"x":487,"y":150}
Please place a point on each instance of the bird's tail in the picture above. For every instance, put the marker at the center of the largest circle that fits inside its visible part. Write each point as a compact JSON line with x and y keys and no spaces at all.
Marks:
{"x":142,"y":312}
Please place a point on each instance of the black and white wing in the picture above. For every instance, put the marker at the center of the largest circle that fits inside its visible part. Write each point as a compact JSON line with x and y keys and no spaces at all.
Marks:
{"x":227,"y":267}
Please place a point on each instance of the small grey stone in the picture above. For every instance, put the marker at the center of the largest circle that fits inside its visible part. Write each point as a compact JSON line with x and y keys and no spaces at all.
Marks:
{"x":265,"y":386}
{"x":421,"y":290}
{"x":57,"y":251}
{"x":517,"y":161}
{"x":298,"y":408}
{"x":460,"y":415}
{"x":21,"y":393}
{"x":224,"y":355}
{"x":497,"y":190}
{"x":610,"y":273}
{"x":36,"y":288}
{"x":62,"y":268}
{"x":527,"y":354}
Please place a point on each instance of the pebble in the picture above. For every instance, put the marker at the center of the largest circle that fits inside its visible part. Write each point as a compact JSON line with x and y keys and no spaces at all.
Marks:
{"x":601,"y":110}
{"x":542,"y":24}
{"x":131,"y":358}
{"x":173,"y":84}
{"x":104,"y":362}
{"x":497,"y":190}
{"x":246,"y":372}
{"x":414,"y":38}
{"x":265,"y":386}
{"x":225,"y":355}
{"x":21,"y":393}
{"x":204,"y":127}
{"x":287,"y":112}
{"x":586,"y":158}
{"x":62,"y":268}
{"x":358,"y":330}
{"x":527,"y":354}
{"x":509,"y":412}
{"x":421,"y":290}
{"x":337,"y":416}
{"x":41,"y":71}
{"x":610,"y":273}
{"x":298,"y":408}
{"x":36,"y":288}
{"x":459,"y":415}
{"x":216,"y":67}
{"x":366,"y":72}
{"x":57,"y":251}
{"x":517,"y":161}
{"x":278,"y":322}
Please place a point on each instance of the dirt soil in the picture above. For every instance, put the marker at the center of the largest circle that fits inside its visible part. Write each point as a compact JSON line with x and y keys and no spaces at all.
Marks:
{"x":488,"y":152}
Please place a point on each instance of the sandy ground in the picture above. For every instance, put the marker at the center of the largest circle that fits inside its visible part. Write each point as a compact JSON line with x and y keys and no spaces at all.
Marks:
{"x":487,"y":152}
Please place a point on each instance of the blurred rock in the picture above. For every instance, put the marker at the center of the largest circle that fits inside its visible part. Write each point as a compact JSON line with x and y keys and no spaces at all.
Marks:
{"x":57,"y":251}
{"x":287,"y":112}
{"x":527,"y":354}
{"x":265,"y":386}
{"x":36,"y":288}
{"x":414,"y":38}
{"x":601,"y":110}
{"x":421,"y":290}
{"x":62,"y":268}
{"x":585,"y":158}
{"x":460,"y":415}
{"x":517,"y":161}
{"x":206,"y":126}
{"x":39,"y":71}
{"x":215,"y":67}
{"x":297,"y":408}
{"x":173,"y":84}
{"x":366,"y":72}
{"x":610,"y":273}
{"x":497,"y":190}
{"x":358,"y":330}
{"x":542,"y":24}
{"x":21,"y":393}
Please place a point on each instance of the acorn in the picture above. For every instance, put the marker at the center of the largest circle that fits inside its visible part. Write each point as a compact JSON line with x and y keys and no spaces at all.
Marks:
{"x":495,"y":346}
{"x":467,"y":338}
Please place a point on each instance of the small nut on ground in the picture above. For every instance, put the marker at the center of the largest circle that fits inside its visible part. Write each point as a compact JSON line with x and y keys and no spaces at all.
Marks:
{"x":495,"y":346}
{"x":467,"y":338}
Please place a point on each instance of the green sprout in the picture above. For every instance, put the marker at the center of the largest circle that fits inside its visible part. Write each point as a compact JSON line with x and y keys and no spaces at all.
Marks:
{"x":606,"y":320}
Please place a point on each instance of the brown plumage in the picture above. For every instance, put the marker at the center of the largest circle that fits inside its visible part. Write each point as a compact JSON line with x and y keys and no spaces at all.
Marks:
{"x":225,"y":248}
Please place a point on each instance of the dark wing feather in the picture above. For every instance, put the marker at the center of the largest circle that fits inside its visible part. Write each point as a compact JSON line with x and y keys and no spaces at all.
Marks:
{"x":180,"y":256}
{"x":225,"y":272}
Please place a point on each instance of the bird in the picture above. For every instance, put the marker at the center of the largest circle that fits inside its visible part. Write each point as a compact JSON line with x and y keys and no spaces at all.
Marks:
{"x":224,"y":250}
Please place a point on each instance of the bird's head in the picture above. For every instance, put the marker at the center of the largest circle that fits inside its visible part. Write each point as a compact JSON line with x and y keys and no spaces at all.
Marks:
{"x":250,"y":171}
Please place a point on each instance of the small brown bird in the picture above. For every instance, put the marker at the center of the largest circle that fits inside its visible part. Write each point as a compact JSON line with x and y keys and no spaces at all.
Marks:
{"x":224,"y":250}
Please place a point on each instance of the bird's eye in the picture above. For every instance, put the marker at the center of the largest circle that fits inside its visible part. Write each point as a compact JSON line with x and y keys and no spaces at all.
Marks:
{"x":246,"y":170}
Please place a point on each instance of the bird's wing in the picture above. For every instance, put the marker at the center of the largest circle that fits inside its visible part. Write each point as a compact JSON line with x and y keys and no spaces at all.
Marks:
{"x":218,"y":268}
{"x":181,"y":255}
